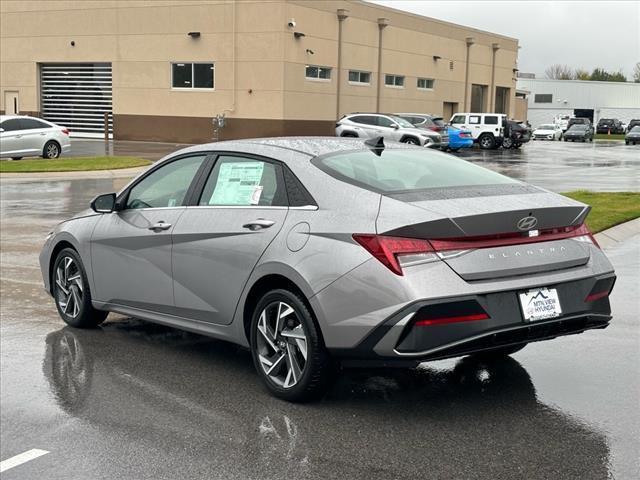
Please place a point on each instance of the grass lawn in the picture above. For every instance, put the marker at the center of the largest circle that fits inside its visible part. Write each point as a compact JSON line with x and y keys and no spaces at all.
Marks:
{"x":613,"y":136}
{"x":608,"y":209}
{"x":70,"y":164}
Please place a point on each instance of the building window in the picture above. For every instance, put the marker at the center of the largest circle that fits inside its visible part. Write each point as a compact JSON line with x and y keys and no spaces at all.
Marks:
{"x":356,"y":76}
{"x":425,"y":83}
{"x":314,"y":72}
{"x":543,"y":98}
{"x":192,"y":75}
{"x":394,"y":81}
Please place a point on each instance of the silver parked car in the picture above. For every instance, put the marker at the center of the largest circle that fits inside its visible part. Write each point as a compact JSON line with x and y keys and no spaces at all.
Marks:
{"x":312,"y":250}
{"x":22,"y":136}
{"x":390,"y":127}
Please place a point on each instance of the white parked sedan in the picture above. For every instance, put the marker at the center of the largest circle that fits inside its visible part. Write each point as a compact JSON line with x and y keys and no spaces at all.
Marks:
{"x":22,"y":136}
{"x":549,"y":131}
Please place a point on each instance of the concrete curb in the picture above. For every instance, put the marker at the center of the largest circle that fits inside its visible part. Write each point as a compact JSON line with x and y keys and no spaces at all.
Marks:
{"x":42,"y":176}
{"x":614,"y":235}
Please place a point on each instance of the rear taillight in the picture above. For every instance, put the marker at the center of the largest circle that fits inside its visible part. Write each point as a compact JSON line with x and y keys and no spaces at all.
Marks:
{"x":398,"y":252}
{"x":600,"y":290}
{"x":465,"y":135}
{"x":394,"y":252}
{"x":65,"y":131}
{"x":455,"y":319}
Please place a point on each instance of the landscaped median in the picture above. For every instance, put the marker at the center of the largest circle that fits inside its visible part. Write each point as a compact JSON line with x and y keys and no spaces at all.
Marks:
{"x":606,"y":136}
{"x":71,"y":164}
{"x":608,"y":208}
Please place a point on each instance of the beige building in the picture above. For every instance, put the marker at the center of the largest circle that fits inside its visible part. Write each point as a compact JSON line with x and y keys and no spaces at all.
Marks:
{"x":163,"y":69}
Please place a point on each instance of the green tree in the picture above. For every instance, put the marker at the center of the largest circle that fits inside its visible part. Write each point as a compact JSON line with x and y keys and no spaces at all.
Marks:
{"x":600,"y":74}
{"x":636,"y":73}
{"x":582,"y":74}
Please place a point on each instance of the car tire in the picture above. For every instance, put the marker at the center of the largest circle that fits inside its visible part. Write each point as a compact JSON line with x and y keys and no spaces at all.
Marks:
{"x":411,"y":141}
{"x":16,"y":158}
{"x":283,"y":335}
{"x":626,"y":143}
{"x":487,"y":141}
{"x":71,"y":292}
{"x":453,"y":150}
{"x":51,"y":150}
{"x":349,"y":135}
{"x":507,"y":143}
{"x":500,"y":352}
{"x":565,"y":140}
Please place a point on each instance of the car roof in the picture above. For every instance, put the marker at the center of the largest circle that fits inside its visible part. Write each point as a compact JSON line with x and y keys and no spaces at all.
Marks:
{"x":308,"y":146}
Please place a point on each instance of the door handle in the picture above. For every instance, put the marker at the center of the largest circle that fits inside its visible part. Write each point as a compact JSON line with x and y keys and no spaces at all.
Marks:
{"x":258,"y":224}
{"x":160,"y":226}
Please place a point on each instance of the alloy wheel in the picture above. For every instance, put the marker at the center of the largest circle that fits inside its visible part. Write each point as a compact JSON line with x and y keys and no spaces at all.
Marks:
{"x":52,"y":150}
{"x":69,"y":287}
{"x":281,"y":344}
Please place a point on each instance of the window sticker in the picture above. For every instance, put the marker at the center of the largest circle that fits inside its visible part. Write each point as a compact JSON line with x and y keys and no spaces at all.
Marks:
{"x":238,"y":184}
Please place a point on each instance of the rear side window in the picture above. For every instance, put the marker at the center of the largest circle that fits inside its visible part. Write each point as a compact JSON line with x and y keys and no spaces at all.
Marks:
{"x":11,"y":125}
{"x":31,"y":124}
{"x":400,"y":170}
{"x":244,"y":182}
{"x":490,"y":120}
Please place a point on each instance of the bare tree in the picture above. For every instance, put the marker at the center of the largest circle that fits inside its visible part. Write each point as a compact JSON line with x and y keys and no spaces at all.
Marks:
{"x":559,"y":72}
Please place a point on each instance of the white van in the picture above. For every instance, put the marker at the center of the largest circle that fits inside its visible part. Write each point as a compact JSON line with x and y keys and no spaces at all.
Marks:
{"x":486,"y":128}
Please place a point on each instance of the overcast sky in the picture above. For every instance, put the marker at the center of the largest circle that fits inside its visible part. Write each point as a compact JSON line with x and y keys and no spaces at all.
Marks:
{"x":585,"y":34}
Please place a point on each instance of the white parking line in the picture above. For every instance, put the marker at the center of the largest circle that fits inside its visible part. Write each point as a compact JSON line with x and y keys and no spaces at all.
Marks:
{"x":21,"y":458}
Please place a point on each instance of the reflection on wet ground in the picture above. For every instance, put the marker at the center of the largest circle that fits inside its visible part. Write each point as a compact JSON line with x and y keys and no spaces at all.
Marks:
{"x":136,"y":400}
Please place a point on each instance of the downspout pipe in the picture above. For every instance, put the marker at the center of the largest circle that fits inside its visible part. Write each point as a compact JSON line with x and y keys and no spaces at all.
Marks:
{"x":492,"y":96}
{"x":470,"y":41}
{"x":382,"y":24}
{"x":342,"y":16}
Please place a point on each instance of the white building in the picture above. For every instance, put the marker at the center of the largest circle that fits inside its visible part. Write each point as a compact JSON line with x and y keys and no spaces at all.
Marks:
{"x":594,"y":100}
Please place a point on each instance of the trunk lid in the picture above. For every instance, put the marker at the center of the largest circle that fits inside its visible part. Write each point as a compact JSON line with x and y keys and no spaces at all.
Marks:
{"x":485,"y":213}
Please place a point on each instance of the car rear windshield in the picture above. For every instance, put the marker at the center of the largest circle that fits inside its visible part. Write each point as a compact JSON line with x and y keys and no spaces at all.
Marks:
{"x":406,"y":170}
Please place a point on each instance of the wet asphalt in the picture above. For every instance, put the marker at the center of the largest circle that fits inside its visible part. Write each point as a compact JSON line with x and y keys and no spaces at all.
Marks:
{"x":134,"y":400}
{"x":557,"y":166}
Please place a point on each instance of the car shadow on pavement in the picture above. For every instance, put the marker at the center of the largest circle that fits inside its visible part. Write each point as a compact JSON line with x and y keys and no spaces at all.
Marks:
{"x":478,"y":419}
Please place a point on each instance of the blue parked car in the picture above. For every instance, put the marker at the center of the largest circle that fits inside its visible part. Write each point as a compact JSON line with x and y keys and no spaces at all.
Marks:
{"x":459,"y":138}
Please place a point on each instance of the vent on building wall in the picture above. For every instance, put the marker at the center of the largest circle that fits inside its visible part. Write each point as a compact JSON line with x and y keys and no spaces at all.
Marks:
{"x":450,"y":64}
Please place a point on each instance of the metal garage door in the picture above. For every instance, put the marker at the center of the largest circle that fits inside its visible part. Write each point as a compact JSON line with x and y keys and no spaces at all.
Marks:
{"x":77,"y":95}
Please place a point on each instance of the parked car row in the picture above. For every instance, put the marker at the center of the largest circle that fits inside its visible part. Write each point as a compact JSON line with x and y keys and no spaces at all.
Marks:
{"x":23,"y":136}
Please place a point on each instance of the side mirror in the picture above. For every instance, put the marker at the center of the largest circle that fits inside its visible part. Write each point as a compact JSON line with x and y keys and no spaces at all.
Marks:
{"x":105,"y":203}
{"x":396,"y":126}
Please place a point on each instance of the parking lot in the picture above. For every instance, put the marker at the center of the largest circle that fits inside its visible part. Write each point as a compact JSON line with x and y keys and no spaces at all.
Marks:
{"x":136,"y":400}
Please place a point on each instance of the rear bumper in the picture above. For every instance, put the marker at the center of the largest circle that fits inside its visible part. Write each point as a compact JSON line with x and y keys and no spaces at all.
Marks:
{"x":399,"y":340}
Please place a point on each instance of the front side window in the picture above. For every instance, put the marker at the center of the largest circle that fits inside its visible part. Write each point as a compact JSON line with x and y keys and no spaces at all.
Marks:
{"x":11,"y":125}
{"x":167,"y":186}
{"x":394,"y":80}
{"x":425,"y":83}
{"x":400,"y":170}
{"x":192,"y":75}
{"x":356,"y":76}
{"x":365,"y":119}
{"x":459,"y":119}
{"x":314,"y":72}
{"x":245,"y":182}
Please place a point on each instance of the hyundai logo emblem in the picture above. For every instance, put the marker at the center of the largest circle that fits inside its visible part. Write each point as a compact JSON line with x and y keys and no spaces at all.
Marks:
{"x":527,"y":223}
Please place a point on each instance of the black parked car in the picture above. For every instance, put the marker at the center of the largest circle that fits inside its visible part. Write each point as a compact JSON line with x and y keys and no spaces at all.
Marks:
{"x":580,"y":133}
{"x":515,"y":134}
{"x":606,"y":125}
{"x":633,"y":123}
{"x":578,"y":121}
{"x":633,"y":136}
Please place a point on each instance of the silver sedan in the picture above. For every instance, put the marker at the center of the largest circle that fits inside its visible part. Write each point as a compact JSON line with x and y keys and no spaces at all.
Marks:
{"x":23,"y":136}
{"x":310,"y":251}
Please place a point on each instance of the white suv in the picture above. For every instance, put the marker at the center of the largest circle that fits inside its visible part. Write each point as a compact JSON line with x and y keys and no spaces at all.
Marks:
{"x":22,"y":136}
{"x":390,"y":127}
{"x":486,"y":128}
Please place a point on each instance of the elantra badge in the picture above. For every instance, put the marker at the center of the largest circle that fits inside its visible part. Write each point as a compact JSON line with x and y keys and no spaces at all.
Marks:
{"x":527,"y":223}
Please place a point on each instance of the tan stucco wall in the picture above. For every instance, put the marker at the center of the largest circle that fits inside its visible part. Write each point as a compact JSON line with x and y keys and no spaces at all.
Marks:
{"x":259,"y":71}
